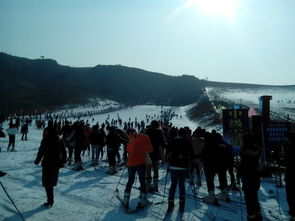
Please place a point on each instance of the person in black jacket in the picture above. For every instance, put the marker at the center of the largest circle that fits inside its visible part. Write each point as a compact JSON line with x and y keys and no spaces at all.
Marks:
{"x":179,"y":153}
{"x":53,"y":156}
{"x":248,"y":170}
{"x":24,"y":130}
{"x":211,"y":159}
{"x":223,"y":153}
{"x":96,"y":139}
{"x":113,"y":142}
{"x":80,"y":144}
{"x":156,"y":136}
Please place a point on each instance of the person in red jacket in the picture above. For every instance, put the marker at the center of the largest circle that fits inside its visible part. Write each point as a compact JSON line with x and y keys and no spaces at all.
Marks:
{"x":138,"y":149}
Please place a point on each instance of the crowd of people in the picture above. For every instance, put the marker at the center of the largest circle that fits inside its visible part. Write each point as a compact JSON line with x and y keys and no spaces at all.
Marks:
{"x":148,"y":144}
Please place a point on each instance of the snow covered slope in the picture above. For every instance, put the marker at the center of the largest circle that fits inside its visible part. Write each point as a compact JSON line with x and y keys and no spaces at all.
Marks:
{"x":207,"y":111}
{"x":281,"y":105}
{"x":89,"y":195}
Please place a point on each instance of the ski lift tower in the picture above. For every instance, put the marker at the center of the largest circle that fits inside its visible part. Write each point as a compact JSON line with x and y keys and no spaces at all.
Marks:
{"x":264,"y":109}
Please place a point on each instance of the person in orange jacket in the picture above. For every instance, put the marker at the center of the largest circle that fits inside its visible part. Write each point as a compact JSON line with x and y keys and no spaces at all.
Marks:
{"x":138,"y":149}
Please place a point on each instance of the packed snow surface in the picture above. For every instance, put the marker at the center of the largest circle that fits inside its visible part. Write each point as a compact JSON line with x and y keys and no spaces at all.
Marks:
{"x":88,"y":195}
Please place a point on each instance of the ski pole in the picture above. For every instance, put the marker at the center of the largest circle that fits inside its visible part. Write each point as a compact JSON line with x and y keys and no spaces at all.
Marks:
{"x":277,"y":190}
{"x":135,"y":180}
{"x":21,"y":215}
{"x":116,"y":189}
{"x":240,"y":191}
{"x":165,"y":183}
{"x":160,"y":210}
{"x":193,"y":185}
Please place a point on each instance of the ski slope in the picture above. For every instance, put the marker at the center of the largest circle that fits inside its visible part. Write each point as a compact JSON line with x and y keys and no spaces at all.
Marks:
{"x":282,"y":103}
{"x":88,"y":195}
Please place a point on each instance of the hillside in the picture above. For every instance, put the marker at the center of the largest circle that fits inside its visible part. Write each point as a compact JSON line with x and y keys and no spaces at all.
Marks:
{"x":41,"y":84}
{"x":29,"y":85}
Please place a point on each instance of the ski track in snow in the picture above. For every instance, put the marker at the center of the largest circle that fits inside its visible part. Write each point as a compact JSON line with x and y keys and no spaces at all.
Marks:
{"x":88,"y":195}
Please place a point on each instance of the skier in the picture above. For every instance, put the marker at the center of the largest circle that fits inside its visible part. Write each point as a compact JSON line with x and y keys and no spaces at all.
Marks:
{"x":2,"y":135}
{"x":210,"y":159}
{"x":96,"y":139}
{"x":24,"y":130}
{"x":69,"y":142}
{"x":248,"y":170}
{"x":80,"y":144}
{"x":179,"y":153}
{"x":230,"y":163}
{"x":113,"y":142}
{"x":102,"y":142}
{"x":53,"y":156}
{"x":198,"y":146}
{"x":222,"y":163}
{"x":138,"y":148}
{"x":158,"y":141}
{"x":12,"y":131}
{"x":87,"y":131}
{"x":124,"y":135}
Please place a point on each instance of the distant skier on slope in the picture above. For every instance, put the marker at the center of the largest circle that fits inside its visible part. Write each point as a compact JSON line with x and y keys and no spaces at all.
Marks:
{"x":11,"y":131}
{"x":24,"y":130}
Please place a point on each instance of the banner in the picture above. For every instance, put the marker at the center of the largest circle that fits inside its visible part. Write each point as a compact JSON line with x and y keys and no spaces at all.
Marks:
{"x":276,"y":134}
{"x":235,"y":124}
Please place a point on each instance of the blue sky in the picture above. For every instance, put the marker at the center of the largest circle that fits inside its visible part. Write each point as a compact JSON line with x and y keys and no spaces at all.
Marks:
{"x":247,"y":41}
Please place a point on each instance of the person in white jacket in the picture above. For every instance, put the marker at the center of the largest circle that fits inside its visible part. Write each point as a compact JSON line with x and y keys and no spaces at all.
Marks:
{"x":11,"y":131}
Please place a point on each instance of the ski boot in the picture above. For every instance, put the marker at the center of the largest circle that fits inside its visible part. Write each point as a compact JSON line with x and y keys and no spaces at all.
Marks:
{"x":223,"y":195}
{"x":78,"y":166}
{"x":181,"y":204}
{"x":125,"y":201}
{"x":170,"y":204}
{"x":211,"y":199}
{"x":199,"y":181}
{"x":112,"y":170}
{"x":255,"y":217}
{"x":94,"y":163}
{"x":143,"y":202}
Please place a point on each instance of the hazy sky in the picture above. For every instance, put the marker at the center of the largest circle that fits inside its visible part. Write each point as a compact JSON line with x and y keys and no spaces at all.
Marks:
{"x":248,"y":41}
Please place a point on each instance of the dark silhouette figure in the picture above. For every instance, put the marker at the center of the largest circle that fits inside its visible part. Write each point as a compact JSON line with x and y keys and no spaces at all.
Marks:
{"x":113,"y":142}
{"x":12,"y":131}
{"x":80,"y":144}
{"x":214,"y":156}
{"x":24,"y":130}
{"x":158,"y":141}
{"x":53,"y":156}
{"x":179,"y":153}
{"x":248,"y":170}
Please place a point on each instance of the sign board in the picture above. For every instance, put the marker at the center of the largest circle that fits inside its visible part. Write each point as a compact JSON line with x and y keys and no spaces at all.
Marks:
{"x":276,"y":134}
{"x":235,"y":124}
